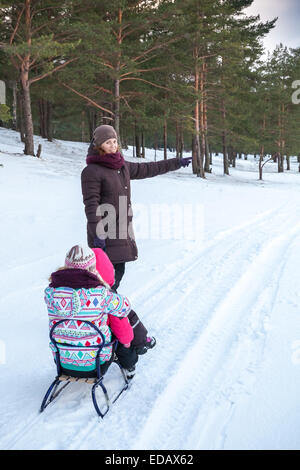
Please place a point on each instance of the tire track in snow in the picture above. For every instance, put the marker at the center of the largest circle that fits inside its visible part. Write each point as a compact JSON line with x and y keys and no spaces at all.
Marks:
{"x":80,"y":436}
{"x":165,"y":361}
{"x":181,"y":274}
{"x":177,"y":270}
{"x":190,"y":383}
{"x":244,"y":359}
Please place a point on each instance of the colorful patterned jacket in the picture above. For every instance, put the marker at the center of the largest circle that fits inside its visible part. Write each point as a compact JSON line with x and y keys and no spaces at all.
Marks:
{"x":76,"y":305}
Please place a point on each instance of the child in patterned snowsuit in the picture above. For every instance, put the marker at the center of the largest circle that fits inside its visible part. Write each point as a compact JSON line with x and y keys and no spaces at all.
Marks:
{"x":77,"y":292}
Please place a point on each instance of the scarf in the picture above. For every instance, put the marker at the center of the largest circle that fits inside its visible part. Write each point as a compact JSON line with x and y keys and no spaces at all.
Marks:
{"x":115,"y":161}
{"x":74,"y":278}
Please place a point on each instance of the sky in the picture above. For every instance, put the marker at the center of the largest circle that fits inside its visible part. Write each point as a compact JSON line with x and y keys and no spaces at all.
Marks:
{"x":287,"y":29}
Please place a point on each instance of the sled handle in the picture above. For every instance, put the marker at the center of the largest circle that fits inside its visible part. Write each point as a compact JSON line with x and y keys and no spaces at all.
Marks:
{"x":96,"y":346}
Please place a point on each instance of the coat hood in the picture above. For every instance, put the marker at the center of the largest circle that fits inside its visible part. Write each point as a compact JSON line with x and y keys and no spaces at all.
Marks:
{"x":66,"y":302}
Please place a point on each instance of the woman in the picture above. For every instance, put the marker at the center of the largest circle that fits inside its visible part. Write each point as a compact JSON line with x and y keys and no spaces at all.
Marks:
{"x":106,"y":195}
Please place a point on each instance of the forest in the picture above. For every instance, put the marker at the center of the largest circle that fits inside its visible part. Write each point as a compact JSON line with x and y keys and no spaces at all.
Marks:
{"x":188,"y":75}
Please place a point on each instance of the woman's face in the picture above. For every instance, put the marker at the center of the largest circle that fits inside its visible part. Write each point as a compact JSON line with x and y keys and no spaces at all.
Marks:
{"x":110,"y":146}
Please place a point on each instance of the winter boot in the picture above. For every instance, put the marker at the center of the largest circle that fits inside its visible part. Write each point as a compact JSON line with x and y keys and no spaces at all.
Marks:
{"x":130,"y":373}
{"x":150,"y":343}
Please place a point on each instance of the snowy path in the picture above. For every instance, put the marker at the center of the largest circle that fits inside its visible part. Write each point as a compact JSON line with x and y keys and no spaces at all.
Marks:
{"x":214,"y":356}
{"x":214,"y":306}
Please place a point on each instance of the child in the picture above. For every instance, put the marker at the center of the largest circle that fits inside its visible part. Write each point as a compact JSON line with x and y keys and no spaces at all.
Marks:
{"x":141,"y":341}
{"x":78,"y":292}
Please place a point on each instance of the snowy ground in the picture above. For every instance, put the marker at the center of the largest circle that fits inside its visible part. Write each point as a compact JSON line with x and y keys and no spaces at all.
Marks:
{"x":222,"y":298}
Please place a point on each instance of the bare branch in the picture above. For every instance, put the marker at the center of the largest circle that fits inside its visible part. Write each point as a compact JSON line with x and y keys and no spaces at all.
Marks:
{"x":143,"y":70}
{"x":126,"y":102}
{"x":87,"y":99}
{"x":32,"y":80}
{"x":100,"y":88}
{"x":17,"y":26}
{"x":266,"y":161}
{"x":146,"y":81}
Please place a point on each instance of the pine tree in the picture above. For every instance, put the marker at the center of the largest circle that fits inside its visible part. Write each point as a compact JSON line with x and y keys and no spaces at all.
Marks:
{"x":36,"y":45}
{"x":119,"y":42}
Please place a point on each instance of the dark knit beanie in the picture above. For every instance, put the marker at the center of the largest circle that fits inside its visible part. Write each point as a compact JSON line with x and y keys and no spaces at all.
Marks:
{"x":103,"y":133}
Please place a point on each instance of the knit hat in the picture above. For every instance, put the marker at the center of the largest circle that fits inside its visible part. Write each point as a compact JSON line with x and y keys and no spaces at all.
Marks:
{"x":81,"y":257}
{"x":103,"y":133}
{"x":104,"y":266}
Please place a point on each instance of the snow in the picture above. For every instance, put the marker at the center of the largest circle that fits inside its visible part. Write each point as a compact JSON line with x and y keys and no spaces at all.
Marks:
{"x":221,"y":296}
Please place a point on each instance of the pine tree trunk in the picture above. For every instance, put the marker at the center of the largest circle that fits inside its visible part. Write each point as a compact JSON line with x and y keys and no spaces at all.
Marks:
{"x":224,"y":144}
{"x":117,"y":80}
{"x":234,"y":154}
{"x":201,"y":115}
{"x":20,"y":120}
{"x":177,"y":139}
{"x":165,"y":139}
{"x":117,"y":111}
{"x":24,"y":79}
{"x":28,"y":124}
{"x":133,"y":145}
{"x":14,"y":105}
{"x":260,"y":167}
{"x":205,"y":147}
{"x":281,"y":143}
{"x":41,"y":105}
{"x":137,"y":142}
{"x":143,"y":145}
{"x":197,"y":158}
{"x":262,"y":149}
{"x":181,"y":146}
{"x":45,"y":119}
{"x":207,"y":156}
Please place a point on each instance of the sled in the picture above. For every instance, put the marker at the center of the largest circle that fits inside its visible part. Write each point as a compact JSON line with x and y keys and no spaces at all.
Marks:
{"x":95,"y":378}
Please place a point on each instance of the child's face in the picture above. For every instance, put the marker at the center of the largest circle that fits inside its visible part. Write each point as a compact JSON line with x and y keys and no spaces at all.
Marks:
{"x":110,"y":146}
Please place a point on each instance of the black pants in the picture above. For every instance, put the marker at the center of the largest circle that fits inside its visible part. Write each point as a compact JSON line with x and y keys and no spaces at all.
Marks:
{"x":127,"y":356}
{"x":119,"y":273}
{"x":139,"y":330}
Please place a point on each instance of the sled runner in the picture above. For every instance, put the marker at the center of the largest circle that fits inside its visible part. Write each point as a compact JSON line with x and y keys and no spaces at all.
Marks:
{"x":95,"y":377}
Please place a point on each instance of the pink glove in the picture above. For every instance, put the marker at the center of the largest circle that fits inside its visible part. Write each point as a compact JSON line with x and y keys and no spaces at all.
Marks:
{"x":127,"y":345}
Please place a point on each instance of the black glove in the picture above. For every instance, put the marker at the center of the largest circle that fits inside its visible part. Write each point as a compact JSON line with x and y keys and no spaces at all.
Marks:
{"x":99,"y":243}
{"x":185,"y":161}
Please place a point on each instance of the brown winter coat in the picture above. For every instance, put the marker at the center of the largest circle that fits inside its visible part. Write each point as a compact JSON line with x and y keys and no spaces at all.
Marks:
{"x":101,"y":185}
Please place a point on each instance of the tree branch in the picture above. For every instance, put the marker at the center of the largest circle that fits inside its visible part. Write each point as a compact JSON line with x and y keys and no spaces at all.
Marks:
{"x":32,"y":80}
{"x":143,"y":70}
{"x":17,"y":26}
{"x":146,"y":81}
{"x":87,"y":99}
